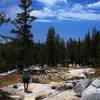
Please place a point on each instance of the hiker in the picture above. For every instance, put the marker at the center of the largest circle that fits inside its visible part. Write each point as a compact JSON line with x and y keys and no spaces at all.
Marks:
{"x":26,"y":79}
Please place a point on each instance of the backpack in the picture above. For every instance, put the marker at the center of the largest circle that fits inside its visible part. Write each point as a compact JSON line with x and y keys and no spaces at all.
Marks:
{"x":26,"y":74}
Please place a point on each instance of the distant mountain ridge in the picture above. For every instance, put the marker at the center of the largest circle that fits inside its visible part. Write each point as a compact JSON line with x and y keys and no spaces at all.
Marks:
{"x":5,"y":39}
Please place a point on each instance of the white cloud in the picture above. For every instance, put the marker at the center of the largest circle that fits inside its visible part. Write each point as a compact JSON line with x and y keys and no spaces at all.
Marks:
{"x":48,"y":2}
{"x":78,"y":16}
{"x":76,"y":13}
{"x":51,"y":2}
{"x":12,"y":11}
{"x":94,"y":5}
{"x":77,"y":8}
{"x":45,"y":12}
{"x":43,"y":20}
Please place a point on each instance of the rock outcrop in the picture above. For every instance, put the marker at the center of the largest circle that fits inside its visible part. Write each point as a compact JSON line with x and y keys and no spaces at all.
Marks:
{"x":81,"y":86}
{"x":92,"y":92}
{"x":11,"y":93}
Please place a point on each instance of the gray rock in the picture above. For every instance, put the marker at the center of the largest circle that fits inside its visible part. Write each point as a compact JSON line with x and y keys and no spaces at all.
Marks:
{"x":74,"y":82}
{"x":63,"y":86}
{"x":81,"y":86}
{"x":5,"y":95}
{"x":10,"y":90}
{"x":96,"y":83}
{"x":92,"y":96}
{"x":12,"y":93}
{"x":92,"y":92}
{"x":68,"y":85}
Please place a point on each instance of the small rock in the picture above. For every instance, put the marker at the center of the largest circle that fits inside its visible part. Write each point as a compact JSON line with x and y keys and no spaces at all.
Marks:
{"x":39,"y":97}
{"x":54,"y":87}
{"x":15,"y":86}
{"x":68,"y":85}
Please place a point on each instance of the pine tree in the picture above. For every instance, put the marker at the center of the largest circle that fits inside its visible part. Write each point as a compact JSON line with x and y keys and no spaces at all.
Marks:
{"x":69,"y":51}
{"x":51,"y":47}
{"x":79,"y":58}
{"x":95,"y":47}
{"x":72,"y":51}
{"x":58,"y":40}
{"x":42,"y":55}
{"x":39,"y":53}
{"x":62,"y":52}
{"x":87,"y":49}
{"x":24,"y":36}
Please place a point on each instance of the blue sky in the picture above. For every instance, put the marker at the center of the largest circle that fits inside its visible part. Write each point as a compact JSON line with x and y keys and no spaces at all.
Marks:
{"x":71,"y":18}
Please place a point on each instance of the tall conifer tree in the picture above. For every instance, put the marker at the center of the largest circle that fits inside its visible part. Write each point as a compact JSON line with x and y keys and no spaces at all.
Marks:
{"x":51,"y":47}
{"x":23,"y":34}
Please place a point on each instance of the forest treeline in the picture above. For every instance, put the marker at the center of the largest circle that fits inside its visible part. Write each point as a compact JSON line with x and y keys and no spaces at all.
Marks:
{"x":54,"y":51}
{"x":22,"y":51}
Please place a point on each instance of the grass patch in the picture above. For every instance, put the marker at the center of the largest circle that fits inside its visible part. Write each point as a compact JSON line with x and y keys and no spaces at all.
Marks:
{"x":10,"y":79}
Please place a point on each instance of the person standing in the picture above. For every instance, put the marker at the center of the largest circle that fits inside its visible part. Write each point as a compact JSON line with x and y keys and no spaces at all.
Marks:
{"x":26,"y":79}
